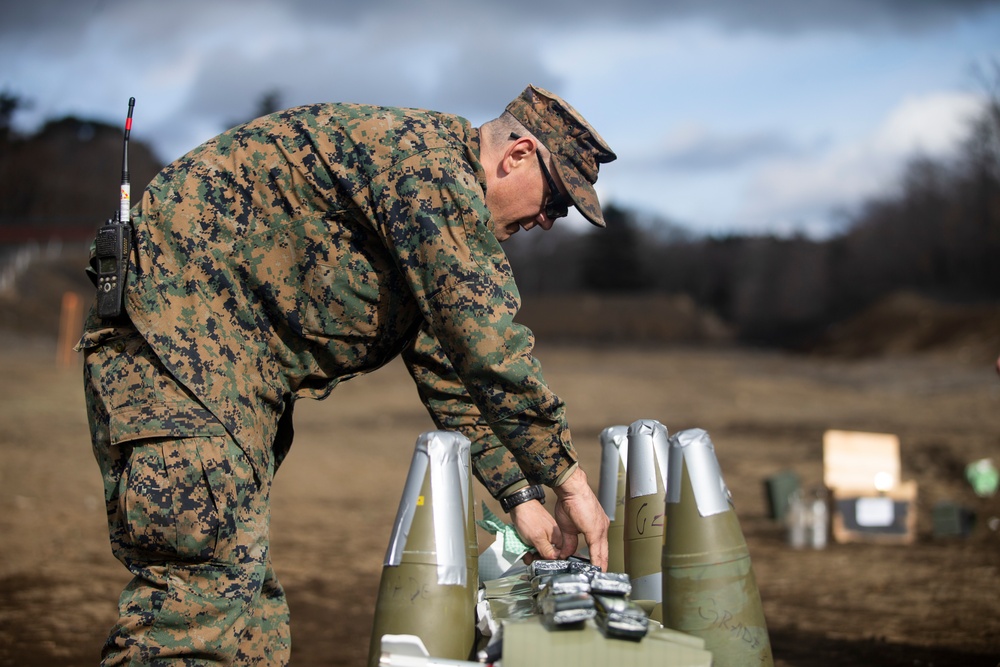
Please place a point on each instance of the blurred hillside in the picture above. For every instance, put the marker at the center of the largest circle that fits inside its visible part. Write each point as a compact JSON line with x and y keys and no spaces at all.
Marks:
{"x":917,"y":270}
{"x":921,"y":257}
{"x":906,"y":323}
{"x":62,"y":182}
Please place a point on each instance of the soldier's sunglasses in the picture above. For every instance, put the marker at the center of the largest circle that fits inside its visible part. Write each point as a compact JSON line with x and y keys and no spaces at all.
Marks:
{"x":557,"y":203}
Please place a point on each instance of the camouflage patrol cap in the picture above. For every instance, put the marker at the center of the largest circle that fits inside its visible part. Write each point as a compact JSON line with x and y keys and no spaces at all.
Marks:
{"x":577,"y":149}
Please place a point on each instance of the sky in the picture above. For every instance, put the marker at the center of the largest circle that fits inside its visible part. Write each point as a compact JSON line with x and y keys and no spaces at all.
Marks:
{"x":767,"y":117}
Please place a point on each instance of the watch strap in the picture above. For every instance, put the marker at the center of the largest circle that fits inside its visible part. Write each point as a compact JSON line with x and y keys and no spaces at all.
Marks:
{"x":532,"y":492}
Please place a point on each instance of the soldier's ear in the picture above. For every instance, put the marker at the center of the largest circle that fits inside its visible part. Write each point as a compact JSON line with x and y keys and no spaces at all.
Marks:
{"x":518,"y":153}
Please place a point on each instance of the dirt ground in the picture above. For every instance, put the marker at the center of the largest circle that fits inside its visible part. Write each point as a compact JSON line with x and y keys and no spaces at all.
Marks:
{"x":936,"y":602}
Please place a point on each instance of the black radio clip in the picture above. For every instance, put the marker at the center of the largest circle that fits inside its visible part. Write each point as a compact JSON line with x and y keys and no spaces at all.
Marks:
{"x":114,"y":242}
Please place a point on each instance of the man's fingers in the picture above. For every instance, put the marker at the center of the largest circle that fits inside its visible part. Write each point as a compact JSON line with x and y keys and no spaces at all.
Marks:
{"x":537,"y":528}
{"x":597,"y":541}
{"x":546,"y":549}
{"x":599,"y":553}
{"x":579,"y":511}
{"x":570,"y":542}
{"x":555,"y":542}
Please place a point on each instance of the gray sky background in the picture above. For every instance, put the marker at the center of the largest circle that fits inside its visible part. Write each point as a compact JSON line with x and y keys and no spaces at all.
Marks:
{"x":727,"y":116}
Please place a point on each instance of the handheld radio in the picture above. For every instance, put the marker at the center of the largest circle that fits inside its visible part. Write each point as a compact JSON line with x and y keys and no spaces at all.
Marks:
{"x":113,"y":242}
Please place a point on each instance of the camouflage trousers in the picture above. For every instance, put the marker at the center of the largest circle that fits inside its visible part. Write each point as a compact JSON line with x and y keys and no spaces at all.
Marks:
{"x":186,"y":516}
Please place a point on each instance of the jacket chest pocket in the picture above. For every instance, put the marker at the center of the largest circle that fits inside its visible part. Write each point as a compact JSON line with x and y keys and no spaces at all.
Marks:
{"x":341,"y":302}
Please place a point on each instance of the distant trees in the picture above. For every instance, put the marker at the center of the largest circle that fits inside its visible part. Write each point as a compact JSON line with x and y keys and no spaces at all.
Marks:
{"x":63,"y":180}
{"x":613,"y":260}
{"x":9,"y":103}
{"x":937,"y":234}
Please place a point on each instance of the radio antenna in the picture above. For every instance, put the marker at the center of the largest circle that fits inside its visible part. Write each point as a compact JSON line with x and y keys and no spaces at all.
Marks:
{"x":126,"y":189}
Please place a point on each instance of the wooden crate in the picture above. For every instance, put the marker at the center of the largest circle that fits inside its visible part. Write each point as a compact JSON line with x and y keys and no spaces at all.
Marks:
{"x":869,"y":501}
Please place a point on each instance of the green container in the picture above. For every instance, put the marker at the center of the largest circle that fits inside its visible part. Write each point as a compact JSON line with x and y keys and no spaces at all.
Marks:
{"x":778,"y":489}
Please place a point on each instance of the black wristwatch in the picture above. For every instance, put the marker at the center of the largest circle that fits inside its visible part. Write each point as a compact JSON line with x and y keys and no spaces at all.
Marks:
{"x":522,"y":496}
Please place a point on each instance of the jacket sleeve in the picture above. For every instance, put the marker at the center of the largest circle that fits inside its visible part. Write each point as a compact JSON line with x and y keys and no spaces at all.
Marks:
{"x":452,"y":409}
{"x":434,"y":220}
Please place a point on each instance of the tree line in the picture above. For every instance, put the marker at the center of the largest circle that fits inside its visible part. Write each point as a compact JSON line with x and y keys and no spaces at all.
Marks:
{"x":938,"y":234}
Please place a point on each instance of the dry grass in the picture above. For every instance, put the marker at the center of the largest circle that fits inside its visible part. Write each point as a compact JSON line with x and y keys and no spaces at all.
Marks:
{"x":336,"y":496}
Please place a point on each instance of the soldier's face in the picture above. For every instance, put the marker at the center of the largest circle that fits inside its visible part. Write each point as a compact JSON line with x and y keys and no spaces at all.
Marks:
{"x":505,"y":226}
{"x":520,"y":202}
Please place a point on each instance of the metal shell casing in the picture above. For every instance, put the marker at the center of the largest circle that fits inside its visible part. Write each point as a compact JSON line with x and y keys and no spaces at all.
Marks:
{"x":611,"y":491}
{"x":424,"y":589}
{"x":645,"y":488}
{"x":709,"y":589}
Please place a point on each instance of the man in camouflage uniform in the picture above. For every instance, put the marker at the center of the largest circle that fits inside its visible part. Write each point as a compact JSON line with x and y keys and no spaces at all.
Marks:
{"x":279,"y":259}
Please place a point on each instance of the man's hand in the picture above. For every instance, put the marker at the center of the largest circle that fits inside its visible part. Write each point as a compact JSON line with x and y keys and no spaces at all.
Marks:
{"x":537,"y":528}
{"x":579,"y":511}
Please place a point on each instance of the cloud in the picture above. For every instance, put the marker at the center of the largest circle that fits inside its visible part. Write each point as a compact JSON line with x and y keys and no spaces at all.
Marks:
{"x":796,"y":192}
{"x":928,"y":125}
{"x":223,"y":76}
{"x":695,"y":147}
{"x":774,"y":16}
{"x":760,"y":98}
{"x":767,"y":183}
{"x":855,"y":16}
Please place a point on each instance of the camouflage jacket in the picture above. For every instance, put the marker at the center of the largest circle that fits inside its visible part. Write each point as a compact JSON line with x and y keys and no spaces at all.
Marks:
{"x":318,"y":243}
